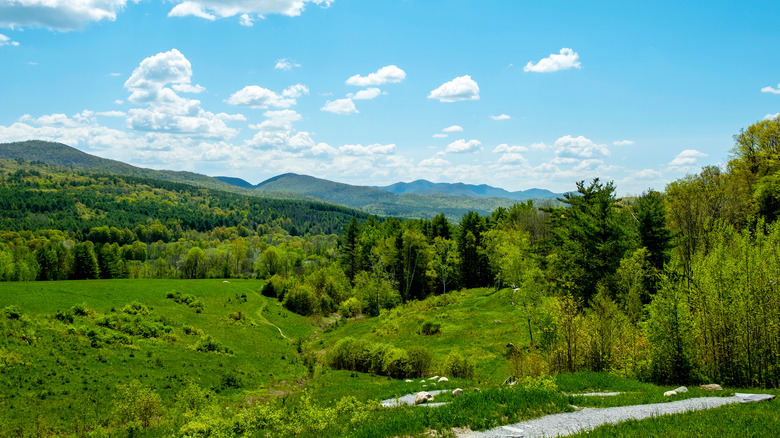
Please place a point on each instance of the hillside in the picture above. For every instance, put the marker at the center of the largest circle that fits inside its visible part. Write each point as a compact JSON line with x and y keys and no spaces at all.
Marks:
{"x":424,"y":187}
{"x":59,"y":154}
{"x":381,"y":202}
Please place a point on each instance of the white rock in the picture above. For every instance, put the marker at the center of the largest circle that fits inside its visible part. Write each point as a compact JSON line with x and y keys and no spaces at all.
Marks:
{"x":422,"y":397}
{"x":422,"y":381}
{"x":669,"y":393}
{"x":711,"y":387}
{"x":408,"y":381}
{"x":434,"y":378}
{"x":681,"y":389}
{"x":443,"y":379}
{"x":457,"y":392}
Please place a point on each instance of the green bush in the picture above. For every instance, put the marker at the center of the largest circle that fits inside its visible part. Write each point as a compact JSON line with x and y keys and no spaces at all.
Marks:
{"x":430,"y":328}
{"x":351,"y":308}
{"x":420,"y":360}
{"x":395,"y":363}
{"x":459,"y":366}
{"x":301,"y":300}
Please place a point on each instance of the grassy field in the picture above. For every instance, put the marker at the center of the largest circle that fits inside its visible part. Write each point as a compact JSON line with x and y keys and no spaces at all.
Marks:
{"x":68,"y":349}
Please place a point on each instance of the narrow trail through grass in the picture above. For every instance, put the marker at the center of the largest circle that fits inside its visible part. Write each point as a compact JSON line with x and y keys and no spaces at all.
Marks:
{"x":263,"y":319}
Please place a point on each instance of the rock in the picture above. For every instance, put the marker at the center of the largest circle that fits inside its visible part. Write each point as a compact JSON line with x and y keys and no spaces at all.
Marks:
{"x":669,"y":393}
{"x":443,"y":379}
{"x":422,"y":397}
{"x":408,"y":381}
{"x":510,"y":345}
{"x":422,"y":381}
{"x":681,"y":389}
{"x":425,"y":386}
{"x":476,"y":390}
{"x":711,"y":387}
{"x":434,"y":378}
{"x":457,"y":392}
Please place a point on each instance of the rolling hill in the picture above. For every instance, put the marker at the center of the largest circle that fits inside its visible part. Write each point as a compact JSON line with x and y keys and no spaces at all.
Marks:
{"x":424,"y":187}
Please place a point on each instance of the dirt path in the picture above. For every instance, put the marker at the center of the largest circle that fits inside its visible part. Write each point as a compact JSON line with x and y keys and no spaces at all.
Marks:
{"x":263,"y":319}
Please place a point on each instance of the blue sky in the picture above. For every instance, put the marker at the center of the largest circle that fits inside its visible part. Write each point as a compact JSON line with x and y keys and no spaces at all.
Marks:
{"x":511,"y":93}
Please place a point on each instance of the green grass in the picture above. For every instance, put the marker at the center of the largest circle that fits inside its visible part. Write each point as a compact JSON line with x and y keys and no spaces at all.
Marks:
{"x":51,"y":370}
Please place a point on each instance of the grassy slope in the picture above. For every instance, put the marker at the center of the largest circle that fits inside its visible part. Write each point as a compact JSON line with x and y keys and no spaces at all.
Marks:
{"x":58,"y":373}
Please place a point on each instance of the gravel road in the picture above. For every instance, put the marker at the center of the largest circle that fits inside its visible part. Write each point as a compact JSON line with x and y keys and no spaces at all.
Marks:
{"x":569,"y":423}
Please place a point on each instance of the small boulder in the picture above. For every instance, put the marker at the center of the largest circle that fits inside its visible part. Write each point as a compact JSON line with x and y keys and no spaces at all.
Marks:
{"x":422,"y":381}
{"x":422,"y":397}
{"x":477,"y":390}
{"x":510,"y":345}
{"x":711,"y":387}
{"x":681,"y":389}
{"x":408,"y":381}
{"x":434,"y":378}
{"x":443,"y":379}
{"x":457,"y":392}
{"x":669,"y":393}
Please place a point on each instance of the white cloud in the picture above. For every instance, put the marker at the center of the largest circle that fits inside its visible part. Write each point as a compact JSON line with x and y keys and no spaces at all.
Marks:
{"x":771,"y":116}
{"x":648,"y":174}
{"x":115,"y":74}
{"x":453,"y":128}
{"x":387,"y":74}
{"x":555,"y":62}
{"x":687,"y":158}
{"x":214,"y":9}
{"x":440,"y":135}
{"x":434,"y":162}
{"x":771,"y":90}
{"x":513,"y":158}
{"x":463,"y":146}
{"x":7,"y":41}
{"x":246,"y":20}
{"x":460,"y":88}
{"x":623,"y":143}
{"x":111,"y":114}
{"x":501,"y":117}
{"x":57,"y":14}
{"x":340,"y":106}
{"x":285,"y":64}
{"x":166,"y":111}
{"x":579,"y":147}
{"x":356,"y":149}
{"x":367,"y":94}
{"x":257,"y":97}
{"x":505,"y":148}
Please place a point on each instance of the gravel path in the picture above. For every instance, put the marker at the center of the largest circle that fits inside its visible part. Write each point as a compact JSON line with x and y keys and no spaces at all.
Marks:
{"x":569,"y":423}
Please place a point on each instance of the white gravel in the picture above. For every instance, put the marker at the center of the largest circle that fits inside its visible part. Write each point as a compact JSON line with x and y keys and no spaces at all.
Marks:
{"x":569,"y":423}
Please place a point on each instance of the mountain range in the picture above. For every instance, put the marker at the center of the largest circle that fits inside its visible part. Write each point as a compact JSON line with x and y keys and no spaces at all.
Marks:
{"x":417,"y":199}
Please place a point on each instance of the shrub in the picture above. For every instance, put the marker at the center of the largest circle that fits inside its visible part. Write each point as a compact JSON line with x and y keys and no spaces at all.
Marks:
{"x":430,"y":328}
{"x":420,"y":360}
{"x":395,"y":363}
{"x":459,"y":366}
{"x":301,"y":300}
{"x":351,"y":308}
{"x":207,"y":344}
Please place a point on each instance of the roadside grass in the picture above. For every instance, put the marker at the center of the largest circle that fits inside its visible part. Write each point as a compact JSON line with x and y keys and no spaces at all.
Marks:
{"x":60,"y":371}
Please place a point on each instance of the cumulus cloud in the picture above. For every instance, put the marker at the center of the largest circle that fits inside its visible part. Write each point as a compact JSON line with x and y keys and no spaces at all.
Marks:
{"x":512,"y":158}
{"x":214,"y":9}
{"x":687,"y":158}
{"x":277,"y":131}
{"x":340,"y":106}
{"x":771,"y":90}
{"x":285,"y":64}
{"x":771,"y":116}
{"x":61,"y":15}
{"x":367,"y":94}
{"x":246,"y":20}
{"x":623,"y":143}
{"x":648,"y":174}
{"x":7,"y":41}
{"x":463,"y":146}
{"x":566,"y":59}
{"x":505,"y":148}
{"x":434,"y":162}
{"x":111,"y":114}
{"x":501,"y":117}
{"x":579,"y":147}
{"x":453,"y":128}
{"x":165,"y":111}
{"x":460,"y":88}
{"x":379,"y":149}
{"x":257,"y":97}
{"x":81,"y":129}
{"x":387,"y":74}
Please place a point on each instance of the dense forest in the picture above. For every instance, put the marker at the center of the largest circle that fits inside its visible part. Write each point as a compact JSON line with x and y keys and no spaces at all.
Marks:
{"x":674,"y":286}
